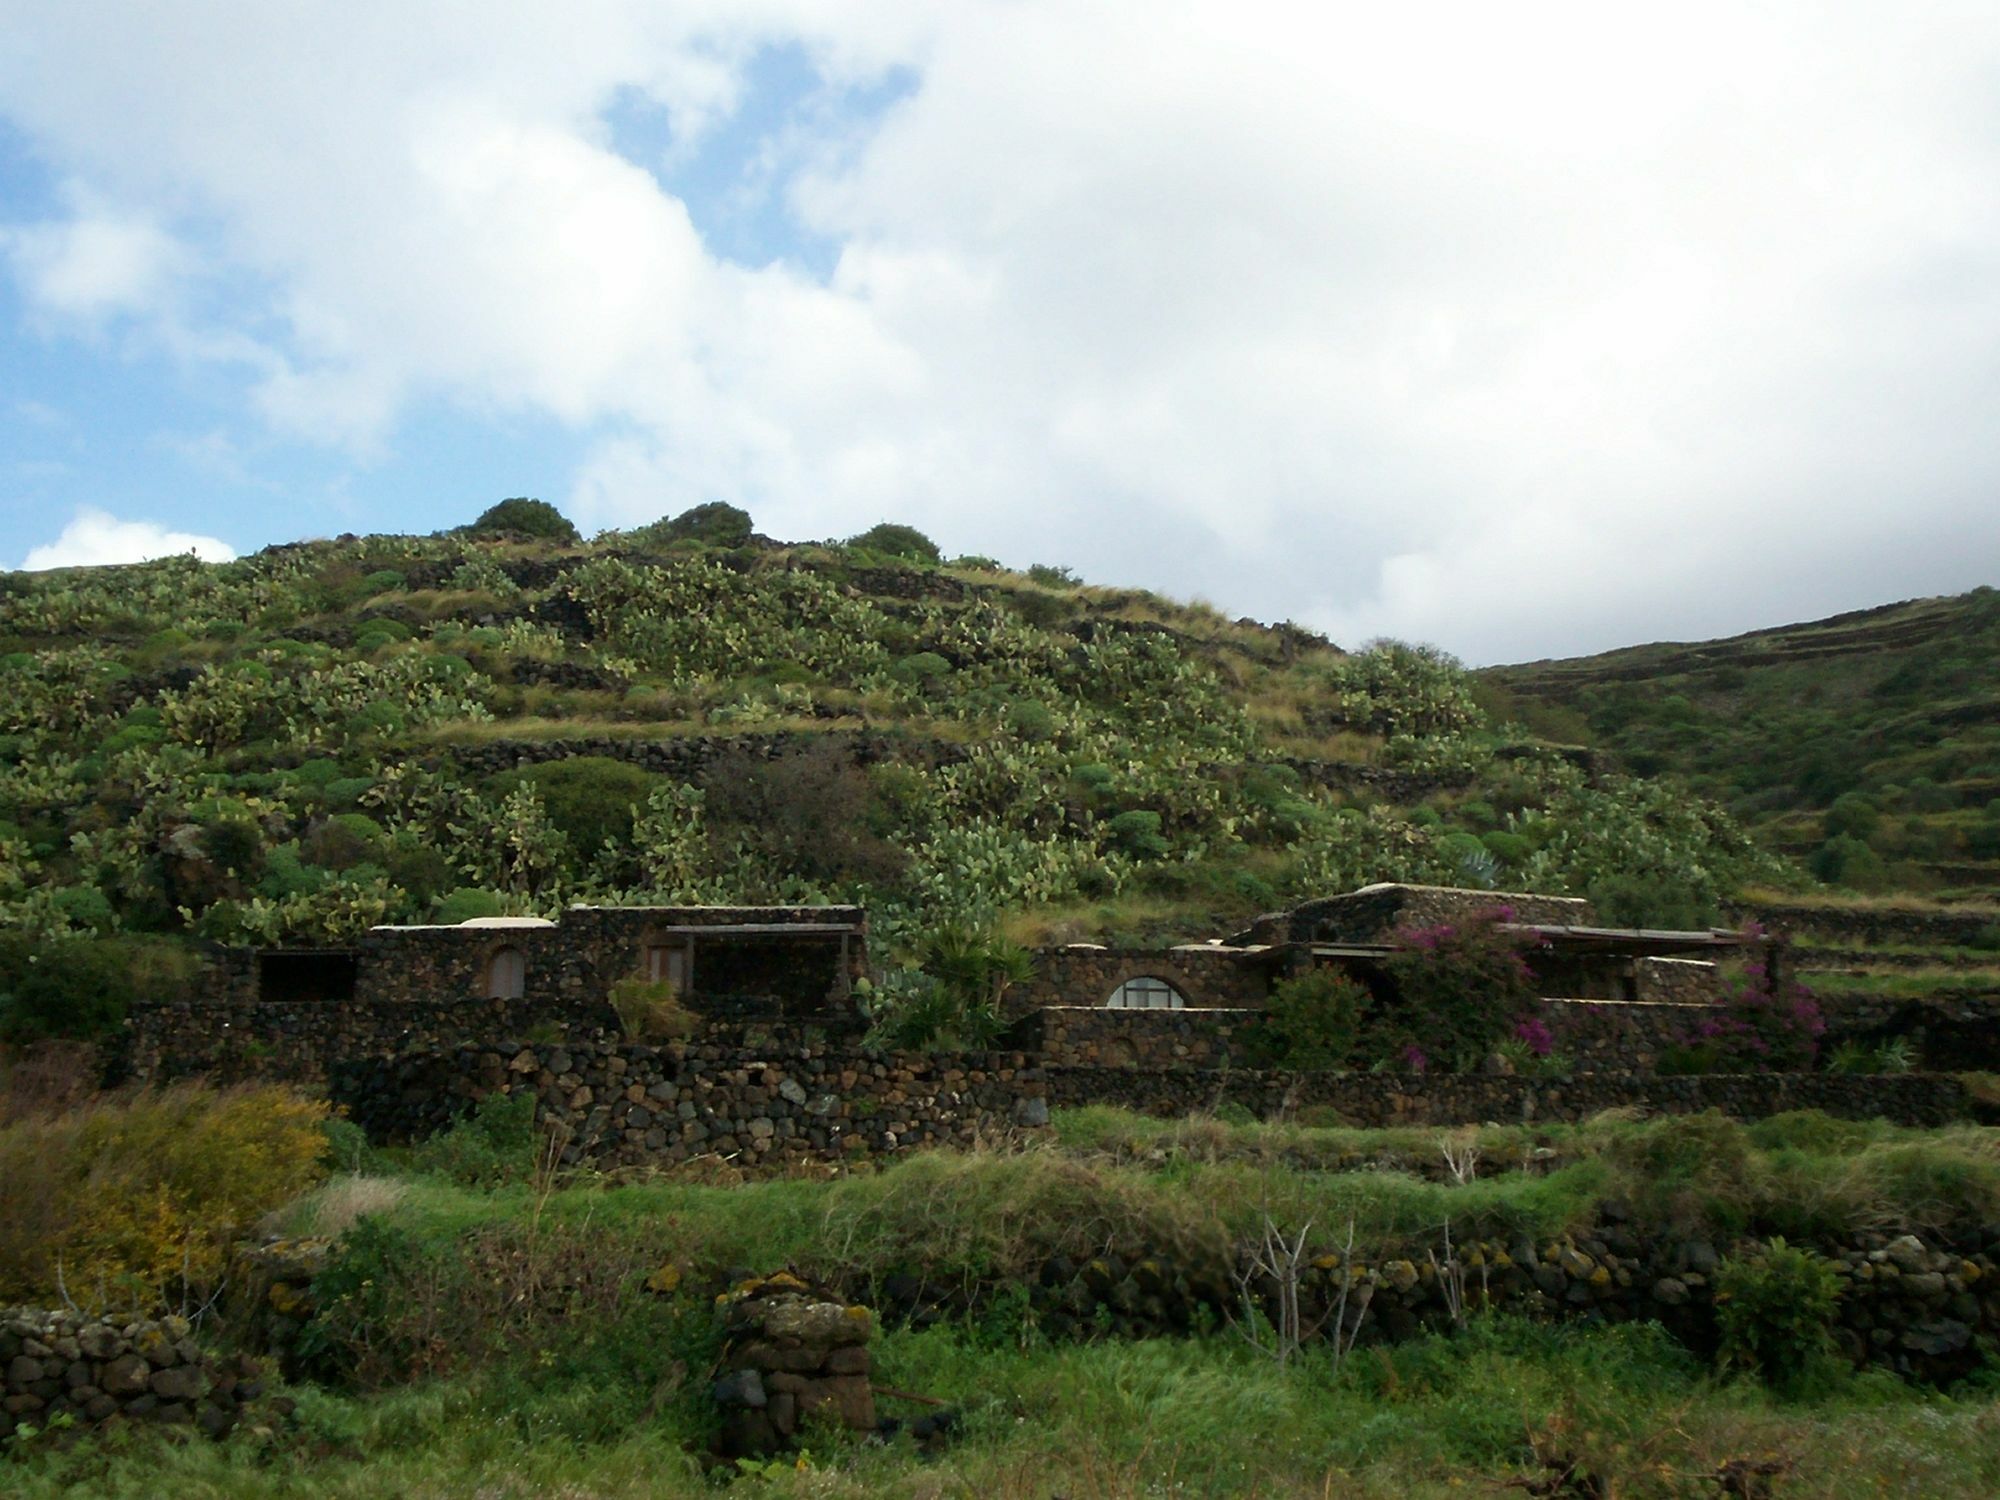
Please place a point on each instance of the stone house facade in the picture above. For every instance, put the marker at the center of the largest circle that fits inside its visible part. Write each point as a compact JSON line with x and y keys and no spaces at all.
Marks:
{"x":790,"y":960}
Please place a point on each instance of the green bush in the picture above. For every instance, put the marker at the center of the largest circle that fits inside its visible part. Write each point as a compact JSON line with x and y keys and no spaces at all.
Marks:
{"x":494,"y":1144}
{"x":73,"y":987}
{"x":891,"y":540}
{"x":524,"y":517}
{"x":1774,"y":1311}
{"x":716,"y":523}
{"x":1312,"y":1020}
{"x":467,"y":903}
{"x":955,"y":997}
{"x":1655,"y":899}
{"x":1138,"y":833}
{"x":1852,"y":815}
{"x":591,"y":798}
{"x":1846,"y":861}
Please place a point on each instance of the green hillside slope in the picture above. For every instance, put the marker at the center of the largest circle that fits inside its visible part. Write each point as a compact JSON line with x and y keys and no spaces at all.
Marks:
{"x":326,"y":735}
{"x":1867,"y":744}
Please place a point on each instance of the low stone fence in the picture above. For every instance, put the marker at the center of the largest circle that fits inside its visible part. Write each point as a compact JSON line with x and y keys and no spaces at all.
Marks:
{"x":92,"y":1370}
{"x":624,"y":1104}
{"x":1918,"y":1307}
{"x":1379,"y":1099}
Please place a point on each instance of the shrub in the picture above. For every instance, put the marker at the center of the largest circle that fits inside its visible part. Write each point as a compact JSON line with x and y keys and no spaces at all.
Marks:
{"x":1852,"y":815}
{"x":494,"y":1144}
{"x":1053,"y":577}
{"x":1774,"y":1312}
{"x":805,"y":813}
{"x":650,"y":1011}
{"x":524,"y":517}
{"x":73,"y":987}
{"x":715,"y":523}
{"x":128,"y":1196}
{"x":233,"y":844}
{"x":591,"y":798}
{"x":1759,"y":1028}
{"x":1312,"y":1020}
{"x":467,"y":903}
{"x":1845,"y":860}
{"x":1654,"y":899}
{"x":956,"y":996}
{"x":891,"y":540}
{"x":1138,"y":834}
{"x":1461,"y":990}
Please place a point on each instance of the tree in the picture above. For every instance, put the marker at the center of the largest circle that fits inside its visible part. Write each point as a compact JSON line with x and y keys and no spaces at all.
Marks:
{"x":524,"y":517}
{"x":717,"y":523}
{"x":891,"y":540}
{"x":591,"y":798}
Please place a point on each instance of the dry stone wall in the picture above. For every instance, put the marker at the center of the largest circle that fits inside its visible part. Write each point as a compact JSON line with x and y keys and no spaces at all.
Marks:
{"x":800,"y":1098}
{"x":98,"y":1370}
{"x":1920,"y":1308}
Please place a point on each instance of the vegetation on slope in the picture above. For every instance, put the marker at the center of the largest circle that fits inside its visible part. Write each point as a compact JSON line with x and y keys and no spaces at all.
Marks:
{"x":327,"y":735}
{"x":1867,"y":744}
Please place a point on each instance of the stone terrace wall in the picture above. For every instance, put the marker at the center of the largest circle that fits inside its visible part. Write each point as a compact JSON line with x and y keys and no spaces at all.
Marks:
{"x":1459,"y":1099}
{"x":1877,"y":925}
{"x":688,"y":758}
{"x":1608,"y":1036}
{"x":1685,"y":981}
{"x":301,"y":1041}
{"x":1618,"y":1036}
{"x":798,"y":1099}
{"x":1084,"y":975}
{"x":1099,"y":1036}
{"x":304,"y":1041}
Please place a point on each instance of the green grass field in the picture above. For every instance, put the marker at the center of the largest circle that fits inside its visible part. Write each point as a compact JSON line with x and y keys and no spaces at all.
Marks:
{"x":487,"y":1332}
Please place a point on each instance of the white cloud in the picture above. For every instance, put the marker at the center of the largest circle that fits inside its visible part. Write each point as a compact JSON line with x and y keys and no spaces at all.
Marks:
{"x":95,"y":538}
{"x":98,"y":260}
{"x":1519,"y":330}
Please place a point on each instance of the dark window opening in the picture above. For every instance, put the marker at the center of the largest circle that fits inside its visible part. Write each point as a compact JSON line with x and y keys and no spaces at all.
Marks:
{"x":316,"y":977}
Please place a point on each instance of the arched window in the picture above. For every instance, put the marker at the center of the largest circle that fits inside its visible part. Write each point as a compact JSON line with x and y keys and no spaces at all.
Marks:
{"x":1147,"y":994}
{"x":506,"y":974}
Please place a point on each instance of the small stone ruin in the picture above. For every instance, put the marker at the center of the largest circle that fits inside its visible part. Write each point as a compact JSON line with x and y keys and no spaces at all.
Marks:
{"x":97,"y":1370}
{"x":793,"y":1353}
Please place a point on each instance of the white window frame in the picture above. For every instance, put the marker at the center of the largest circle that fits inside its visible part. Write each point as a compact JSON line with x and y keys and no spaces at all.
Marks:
{"x":1146,"y":992}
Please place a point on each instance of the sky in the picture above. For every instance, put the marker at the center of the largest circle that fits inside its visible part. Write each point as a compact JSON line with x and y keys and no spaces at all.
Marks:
{"x":1522,"y":330}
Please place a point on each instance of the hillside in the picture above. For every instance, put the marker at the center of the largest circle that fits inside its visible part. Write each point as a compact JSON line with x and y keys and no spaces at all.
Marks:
{"x":1867,"y":744}
{"x":332,"y":734}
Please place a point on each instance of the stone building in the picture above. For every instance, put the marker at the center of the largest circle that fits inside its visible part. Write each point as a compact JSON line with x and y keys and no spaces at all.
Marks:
{"x":798,"y":960}
{"x":1576,"y":958}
